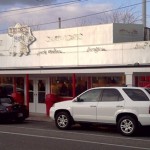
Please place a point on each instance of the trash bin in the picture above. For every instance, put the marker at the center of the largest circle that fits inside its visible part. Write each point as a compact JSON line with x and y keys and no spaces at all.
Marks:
{"x":18,"y":97}
{"x":50,"y":100}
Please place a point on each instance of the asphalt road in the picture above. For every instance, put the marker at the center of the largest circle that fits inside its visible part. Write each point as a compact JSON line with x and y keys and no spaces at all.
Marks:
{"x":36,"y":135}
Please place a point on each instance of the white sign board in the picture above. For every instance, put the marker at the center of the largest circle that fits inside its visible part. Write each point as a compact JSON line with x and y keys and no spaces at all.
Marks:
{"x":69,"y":47}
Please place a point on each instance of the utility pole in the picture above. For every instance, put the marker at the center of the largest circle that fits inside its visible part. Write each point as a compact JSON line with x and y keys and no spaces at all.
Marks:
{"x":59,"y":20}
{"x":144,"y":13}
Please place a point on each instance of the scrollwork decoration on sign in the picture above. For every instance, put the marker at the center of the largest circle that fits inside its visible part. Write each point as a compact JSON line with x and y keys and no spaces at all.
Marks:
{"x":22,"y":38}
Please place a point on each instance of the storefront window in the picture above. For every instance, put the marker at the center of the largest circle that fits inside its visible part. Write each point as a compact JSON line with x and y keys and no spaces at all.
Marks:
{"x":108,"y":81}
{"x":61,"y":86}
{"x":142,"y":81}
{"x":6,"y":80}
{"x":81,"y":85}
{"x":20,"y":85}
{"x":41,"y":91}
{"x":6,"y":86}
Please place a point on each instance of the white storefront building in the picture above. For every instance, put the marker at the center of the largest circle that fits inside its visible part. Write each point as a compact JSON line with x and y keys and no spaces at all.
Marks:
{"x":65,"y":62}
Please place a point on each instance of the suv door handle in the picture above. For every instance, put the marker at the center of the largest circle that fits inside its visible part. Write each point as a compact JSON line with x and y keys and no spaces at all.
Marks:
{"x":119,"y":106}
{"x":92,"y":106}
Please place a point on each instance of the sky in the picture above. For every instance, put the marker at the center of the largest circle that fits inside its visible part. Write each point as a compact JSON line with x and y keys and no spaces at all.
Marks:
{"x":44,"y":14}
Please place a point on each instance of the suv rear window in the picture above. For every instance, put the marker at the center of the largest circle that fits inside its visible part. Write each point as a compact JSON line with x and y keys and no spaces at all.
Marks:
{"x":136,"y":94}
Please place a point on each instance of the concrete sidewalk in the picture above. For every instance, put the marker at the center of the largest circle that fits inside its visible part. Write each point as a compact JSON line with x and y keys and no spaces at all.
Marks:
{"x":38,"y":117}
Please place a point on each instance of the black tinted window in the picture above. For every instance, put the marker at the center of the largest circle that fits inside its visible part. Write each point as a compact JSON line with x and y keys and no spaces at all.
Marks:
{"x":91,"y":96}
{"x":111,"y":95}
{"x":136,"y":94}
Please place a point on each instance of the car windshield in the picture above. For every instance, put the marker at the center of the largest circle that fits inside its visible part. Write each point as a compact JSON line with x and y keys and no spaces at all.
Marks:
{"x":6,"y":100}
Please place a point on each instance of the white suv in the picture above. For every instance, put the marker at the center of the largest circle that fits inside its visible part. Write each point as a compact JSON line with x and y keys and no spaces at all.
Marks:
{"x":126,"y":107}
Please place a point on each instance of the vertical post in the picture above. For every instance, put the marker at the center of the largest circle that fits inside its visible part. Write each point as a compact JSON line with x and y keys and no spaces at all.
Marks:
{"x":129,"y":78}
{"x":89,"y":83}
{"x":59,"y":20}
{"x":27,"y":90}
{"x":14,"y":85}
{"x":74,"y":84}
{"x":144,"y":13}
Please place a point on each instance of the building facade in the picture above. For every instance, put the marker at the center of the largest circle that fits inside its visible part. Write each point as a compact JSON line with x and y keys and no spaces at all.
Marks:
{"x":65,"y":62}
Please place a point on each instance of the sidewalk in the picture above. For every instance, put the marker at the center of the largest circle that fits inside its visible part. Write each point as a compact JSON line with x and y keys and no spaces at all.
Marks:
{"x":38,"y":117}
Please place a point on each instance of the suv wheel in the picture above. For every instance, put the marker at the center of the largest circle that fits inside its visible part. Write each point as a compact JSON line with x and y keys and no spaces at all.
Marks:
{"x":63,"y":120}
{"x":127,"y":125}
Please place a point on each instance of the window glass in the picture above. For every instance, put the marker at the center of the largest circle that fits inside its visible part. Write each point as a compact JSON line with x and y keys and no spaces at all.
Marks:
{"x":91,"y":96}
{"x":20,"y":85}
{"x":100,"y":81}
{"x":136,"y":94}
{"x":111,"y":95}
{"x":61,"y":86}
{"x":81,"y":85}
{"x":6,"y":80}
{"x":41,"y":91}
{"x":31,"y":91}
{"x":6,"y":86}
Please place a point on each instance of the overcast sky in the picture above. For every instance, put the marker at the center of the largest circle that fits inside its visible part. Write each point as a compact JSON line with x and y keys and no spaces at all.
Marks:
{"x":44,"y":17}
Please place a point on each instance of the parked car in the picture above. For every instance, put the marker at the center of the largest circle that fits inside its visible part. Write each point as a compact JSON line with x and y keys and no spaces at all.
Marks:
{"x":126,"y":107}
{"x":11,"y":111}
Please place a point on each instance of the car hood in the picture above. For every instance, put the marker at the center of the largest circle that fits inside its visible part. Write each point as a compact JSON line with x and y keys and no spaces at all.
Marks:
{"x":64,"y":103}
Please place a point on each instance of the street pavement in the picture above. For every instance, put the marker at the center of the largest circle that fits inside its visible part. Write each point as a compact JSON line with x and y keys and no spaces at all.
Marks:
{"x":39,"y":132}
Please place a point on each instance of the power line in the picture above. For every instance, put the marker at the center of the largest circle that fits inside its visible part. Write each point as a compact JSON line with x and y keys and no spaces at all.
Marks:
{"x":63,"y":20}
{"x":41,"y":6}
{"x":43,"y":9}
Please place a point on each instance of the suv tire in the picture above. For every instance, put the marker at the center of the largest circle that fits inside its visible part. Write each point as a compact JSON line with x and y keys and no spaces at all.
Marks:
{"x":127,"y":125}
{"x":63,"y":120}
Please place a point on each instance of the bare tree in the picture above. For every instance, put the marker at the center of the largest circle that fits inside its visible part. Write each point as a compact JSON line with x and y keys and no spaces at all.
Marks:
{"x":126,"y":16}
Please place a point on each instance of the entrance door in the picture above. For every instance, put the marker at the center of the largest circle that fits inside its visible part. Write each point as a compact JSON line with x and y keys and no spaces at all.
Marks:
{"x":37,"y":93}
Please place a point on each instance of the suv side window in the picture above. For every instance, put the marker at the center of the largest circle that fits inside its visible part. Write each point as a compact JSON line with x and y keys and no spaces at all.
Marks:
{"x":110,"y":95}
{"x":91,"y":96}
{"x":136,"y":94}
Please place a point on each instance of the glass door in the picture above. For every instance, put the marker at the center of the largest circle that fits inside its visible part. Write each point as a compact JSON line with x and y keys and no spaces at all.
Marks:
{"x":37,"y":93}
